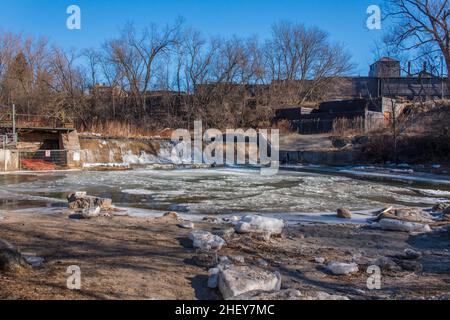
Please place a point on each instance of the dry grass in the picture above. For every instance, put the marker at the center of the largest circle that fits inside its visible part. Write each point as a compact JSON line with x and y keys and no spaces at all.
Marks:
{"x":344,"y":127}
{"x":123,"y":130}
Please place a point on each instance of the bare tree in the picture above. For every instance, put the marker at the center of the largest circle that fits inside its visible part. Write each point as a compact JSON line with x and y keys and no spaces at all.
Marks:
{"x":420,"y":23}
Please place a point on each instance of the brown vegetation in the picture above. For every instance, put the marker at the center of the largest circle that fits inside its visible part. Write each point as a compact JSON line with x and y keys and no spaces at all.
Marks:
{"x":168,"y":77}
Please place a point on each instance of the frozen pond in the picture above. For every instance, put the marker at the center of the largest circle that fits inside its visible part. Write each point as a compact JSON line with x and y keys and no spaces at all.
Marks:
{"x":215,"y":191}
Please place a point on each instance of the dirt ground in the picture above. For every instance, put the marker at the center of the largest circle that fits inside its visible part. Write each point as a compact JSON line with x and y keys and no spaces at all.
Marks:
{"x":137,"y":258}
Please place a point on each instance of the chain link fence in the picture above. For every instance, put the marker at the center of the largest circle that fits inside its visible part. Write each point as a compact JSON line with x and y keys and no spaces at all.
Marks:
{"x":43,"y":160}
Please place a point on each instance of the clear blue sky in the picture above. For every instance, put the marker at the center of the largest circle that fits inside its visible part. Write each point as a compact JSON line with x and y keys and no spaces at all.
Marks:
{"x":344,"y":20}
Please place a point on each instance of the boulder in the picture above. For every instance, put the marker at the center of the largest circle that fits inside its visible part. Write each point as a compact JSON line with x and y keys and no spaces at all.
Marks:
{"x":237,"y":280}
{"x":10,"y":259}
{"x":259,"y":225}
{"x":387,"y":264}
{"x":407,"y":265}
{"x":80,"y":200}
{"x":403,"y":226}
{"x":206,"y":241}
{"x":410,"y":254}
{"x":339,"y":268}
{"x":344,"y":214}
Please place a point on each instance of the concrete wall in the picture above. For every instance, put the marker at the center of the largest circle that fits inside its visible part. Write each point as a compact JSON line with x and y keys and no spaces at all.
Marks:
{"x":328,"y":158}
{"x":9,"y":160}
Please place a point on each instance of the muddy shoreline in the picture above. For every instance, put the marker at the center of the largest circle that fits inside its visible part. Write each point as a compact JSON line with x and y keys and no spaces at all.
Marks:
{"x":152,"y":258}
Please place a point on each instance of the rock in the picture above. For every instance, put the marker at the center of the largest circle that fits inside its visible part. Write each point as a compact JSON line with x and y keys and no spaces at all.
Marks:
{"x":344,"y":214}
{"x":10,"y":259}
{"x":260,"y":225}
{"x":407,"y":265}
{"x":80,"y":200}
{"x":440,"y":207}
{"x":319,"y":260}
{"x":387,"y":264}
{"x":403,"y":226}
{"x":189,"y":225}
{"x":338,"y":268}
{"x":411,"y":254}
{"x":237,"y":280}
{"x":206,"y":241}
{"x":171,"y":215}
{"x":213,"y":279}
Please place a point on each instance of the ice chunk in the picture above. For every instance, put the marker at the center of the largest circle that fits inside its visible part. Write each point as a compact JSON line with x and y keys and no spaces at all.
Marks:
{"x":404,"y":226}
{"x":237,"y":280}
{"x":258,"y":224}
{"x":206,"y":241}
{"x":339,"y":268}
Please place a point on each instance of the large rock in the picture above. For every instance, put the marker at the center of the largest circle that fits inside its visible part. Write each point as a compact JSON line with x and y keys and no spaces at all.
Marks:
{"x":387,"y":264}
{"x":10,"y":259}
{"x":344,"y":214}
{"x":237,"y":280}
{"x":80,"y":200}
{"x":205,"y":240}
{"x":403,"y":226}
{"x":260,"y":225}
{"x":339,"y":268}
